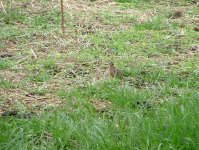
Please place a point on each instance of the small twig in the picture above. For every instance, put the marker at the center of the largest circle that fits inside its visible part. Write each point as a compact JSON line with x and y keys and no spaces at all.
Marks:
{"x":33,"y":53}
{"x":1,"y":3}
{"x":21,"y":60}
{"x":62,"y":17}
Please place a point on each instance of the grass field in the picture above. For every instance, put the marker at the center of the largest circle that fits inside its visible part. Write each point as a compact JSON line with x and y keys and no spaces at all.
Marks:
{"x":63,"y":84}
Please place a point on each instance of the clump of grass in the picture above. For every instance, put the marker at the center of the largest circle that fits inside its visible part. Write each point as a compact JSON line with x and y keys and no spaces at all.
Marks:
{"x":155,"y":23}
{"x":4,"y":84}
{"x":45,"y":21}
{"x":42,"y":70}
{"x":131,"y":1}
{"x":5,"y":64}
{"x":39,"y":91}
{"x":12,"y":16}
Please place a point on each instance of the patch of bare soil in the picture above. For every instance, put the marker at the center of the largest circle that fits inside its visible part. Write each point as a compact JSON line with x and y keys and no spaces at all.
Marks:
{"x":15,"y":99}
{"x":12,"y":76}
{"x":79,"y":75}
{"x":92,"y":21}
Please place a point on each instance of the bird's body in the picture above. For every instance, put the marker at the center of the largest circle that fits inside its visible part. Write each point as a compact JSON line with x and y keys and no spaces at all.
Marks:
{"x":196,"y":29}
{"x":114,"y":72}
{"x":177,"y":14}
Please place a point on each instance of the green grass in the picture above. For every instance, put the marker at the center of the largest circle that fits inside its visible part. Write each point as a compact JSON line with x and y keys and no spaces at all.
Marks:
{"x":5,"y":64}
{"x":6,"y":84}
{"x":131,"y":1}
{"x":12,"y":16}
{"x":155,"y":105}
{"x":168,"y":127}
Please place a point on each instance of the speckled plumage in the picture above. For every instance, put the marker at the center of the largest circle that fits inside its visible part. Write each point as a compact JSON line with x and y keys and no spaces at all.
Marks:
{"x":114,"y":72}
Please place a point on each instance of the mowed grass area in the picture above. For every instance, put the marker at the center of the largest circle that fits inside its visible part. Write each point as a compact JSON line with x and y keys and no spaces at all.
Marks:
{"x":64,"y":82}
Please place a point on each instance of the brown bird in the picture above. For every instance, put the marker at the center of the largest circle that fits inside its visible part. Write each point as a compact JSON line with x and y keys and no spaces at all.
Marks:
{"x":114,"y":72}
{"x":177,"y":14}
{"x":196,"y":29}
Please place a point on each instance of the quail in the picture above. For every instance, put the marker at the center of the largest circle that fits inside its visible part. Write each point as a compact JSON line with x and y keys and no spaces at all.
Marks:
{"x":177,"y":14}
{"x":114,"y":72}
{"x":196,"y":29}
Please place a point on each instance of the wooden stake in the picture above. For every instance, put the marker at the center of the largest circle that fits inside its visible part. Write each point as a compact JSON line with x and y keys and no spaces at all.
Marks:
{"x":62,"y":17}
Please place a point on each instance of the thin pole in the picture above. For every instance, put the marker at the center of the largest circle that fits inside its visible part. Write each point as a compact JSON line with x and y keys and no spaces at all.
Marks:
{"x":62,"y":17}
